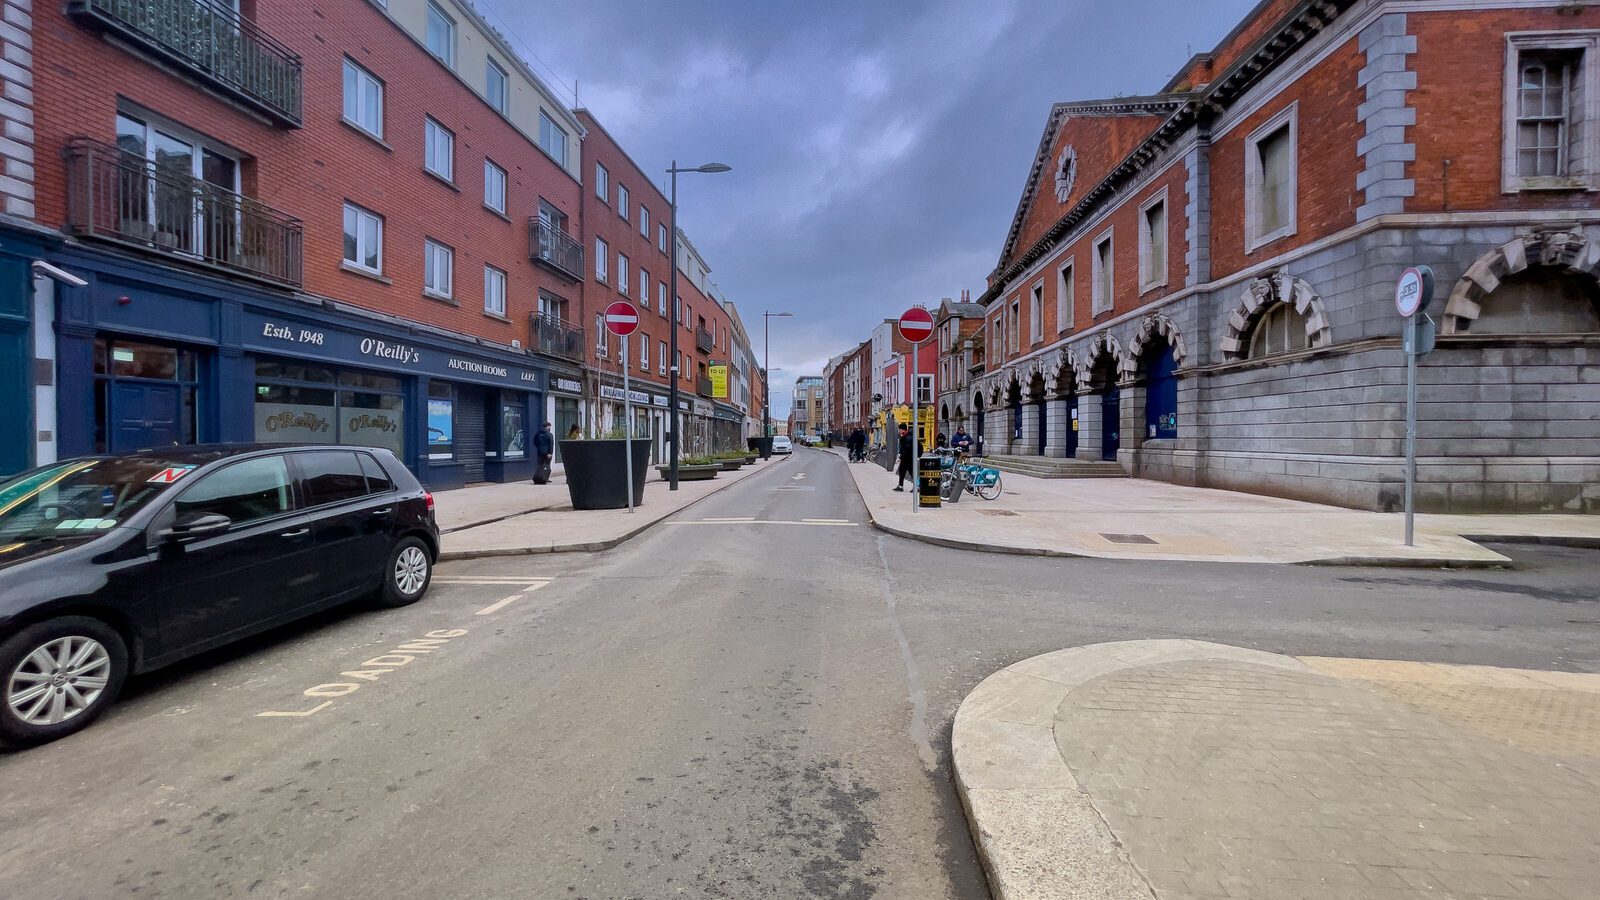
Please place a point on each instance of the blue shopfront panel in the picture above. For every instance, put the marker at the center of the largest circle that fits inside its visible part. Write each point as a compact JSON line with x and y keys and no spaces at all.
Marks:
{"x":16,"y":355}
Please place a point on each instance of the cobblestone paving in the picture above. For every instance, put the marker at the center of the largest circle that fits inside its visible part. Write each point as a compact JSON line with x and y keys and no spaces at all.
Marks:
{"x":1228,"y":779}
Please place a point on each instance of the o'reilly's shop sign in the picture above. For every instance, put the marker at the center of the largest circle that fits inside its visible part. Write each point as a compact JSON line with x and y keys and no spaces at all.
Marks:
{"x":338,"y":346}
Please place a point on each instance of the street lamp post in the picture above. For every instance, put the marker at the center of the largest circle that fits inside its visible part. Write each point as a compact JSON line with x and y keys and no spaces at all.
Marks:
{"x":766,"y":370}
{"x":672,"y":389}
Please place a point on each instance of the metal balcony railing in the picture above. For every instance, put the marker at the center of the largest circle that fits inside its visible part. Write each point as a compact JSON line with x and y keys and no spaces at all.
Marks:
{"x":553,"y":337}
{"x":117,"y":196}
{"x":703,"y":384}
{"x":555,"y":248}
{"x":703,"y":341}
{"x":210,"y":41}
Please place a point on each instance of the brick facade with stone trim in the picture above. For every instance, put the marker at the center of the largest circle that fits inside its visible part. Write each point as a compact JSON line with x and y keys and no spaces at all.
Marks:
{"x":16,"y":108}
{"x":1276,"y":368}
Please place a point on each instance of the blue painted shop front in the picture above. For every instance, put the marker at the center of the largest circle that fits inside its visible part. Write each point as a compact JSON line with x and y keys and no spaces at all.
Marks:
{"x":149,"y":356}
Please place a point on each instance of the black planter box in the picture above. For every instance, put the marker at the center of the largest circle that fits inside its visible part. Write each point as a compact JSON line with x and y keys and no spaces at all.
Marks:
{"x":595,"y":477}
{"x":761,"y":445}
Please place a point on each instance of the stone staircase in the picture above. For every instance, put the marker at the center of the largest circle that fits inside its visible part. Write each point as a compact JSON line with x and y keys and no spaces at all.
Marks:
{"x":1050,"y":467}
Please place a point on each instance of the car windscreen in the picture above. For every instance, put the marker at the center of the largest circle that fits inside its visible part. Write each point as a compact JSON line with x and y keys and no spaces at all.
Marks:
{"x":81,"y":498}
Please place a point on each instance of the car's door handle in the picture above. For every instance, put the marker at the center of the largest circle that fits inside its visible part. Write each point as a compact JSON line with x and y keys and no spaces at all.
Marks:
{"x":295,"y":534}
{"x":383,"y":512}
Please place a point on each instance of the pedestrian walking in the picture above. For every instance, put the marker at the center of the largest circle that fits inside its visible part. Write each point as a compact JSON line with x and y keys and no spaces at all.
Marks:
{"x":907,"y":452}
{"x":573,"y":433}
{"x":962,"y":441}
{"x":544,"y":451}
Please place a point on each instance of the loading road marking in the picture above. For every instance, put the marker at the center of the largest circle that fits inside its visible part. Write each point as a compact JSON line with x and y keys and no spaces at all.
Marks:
{"x":500,"y":604}
{"x":370,"y":670}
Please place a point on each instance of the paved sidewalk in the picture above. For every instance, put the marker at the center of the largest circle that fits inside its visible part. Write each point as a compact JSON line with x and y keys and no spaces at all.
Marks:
{"x":1183,"y":769}
{"x":558,"y":528}
{"x":1134,"y":518}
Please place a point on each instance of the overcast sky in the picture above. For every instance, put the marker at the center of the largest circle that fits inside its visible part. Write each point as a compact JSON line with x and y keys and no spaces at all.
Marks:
{"x":879,"y":148}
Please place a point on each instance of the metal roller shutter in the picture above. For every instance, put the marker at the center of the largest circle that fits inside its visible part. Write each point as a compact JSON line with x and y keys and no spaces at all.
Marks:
{"x":470,"y":430}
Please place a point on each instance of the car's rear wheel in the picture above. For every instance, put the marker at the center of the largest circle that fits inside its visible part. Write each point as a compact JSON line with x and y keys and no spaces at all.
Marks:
{"x":406,"y":577}
{"x":57,"y":677}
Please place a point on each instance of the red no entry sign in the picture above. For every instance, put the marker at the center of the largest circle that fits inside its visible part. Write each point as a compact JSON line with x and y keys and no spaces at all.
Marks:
{"x":622,"y":318}
{"x":916,"y":324}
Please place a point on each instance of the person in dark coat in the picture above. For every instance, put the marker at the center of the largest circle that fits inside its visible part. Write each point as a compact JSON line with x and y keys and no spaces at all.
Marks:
{"x":962,"y":441}
{"x":544,"y":450}
{"x":908,"y":454}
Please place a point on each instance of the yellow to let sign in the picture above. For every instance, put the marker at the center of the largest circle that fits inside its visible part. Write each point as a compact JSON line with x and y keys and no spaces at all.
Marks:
{"x":719,"y":381}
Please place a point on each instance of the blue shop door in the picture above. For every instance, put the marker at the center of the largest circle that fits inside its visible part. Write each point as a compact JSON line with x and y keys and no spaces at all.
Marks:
{"x":1161,"y":397}
{"x":1071,"y":425}
{"x":1110,"y":422}
{"x":1044,"y":426}
{"x":144,"y":415}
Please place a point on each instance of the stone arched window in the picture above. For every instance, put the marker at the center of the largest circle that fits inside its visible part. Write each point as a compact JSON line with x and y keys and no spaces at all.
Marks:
{"x":1538,"y":283}
{"x":1279,"y":329}
{"x":1262,"y":296}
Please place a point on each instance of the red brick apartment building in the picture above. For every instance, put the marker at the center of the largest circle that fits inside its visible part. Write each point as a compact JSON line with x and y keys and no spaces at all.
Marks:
{"x":1198,"y":283}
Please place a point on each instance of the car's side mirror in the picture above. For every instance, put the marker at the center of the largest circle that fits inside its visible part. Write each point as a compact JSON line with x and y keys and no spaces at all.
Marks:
{"x":195,"y":526}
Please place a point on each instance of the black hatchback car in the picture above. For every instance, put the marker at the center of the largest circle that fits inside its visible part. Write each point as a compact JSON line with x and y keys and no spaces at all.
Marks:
{"x":118,"y":565}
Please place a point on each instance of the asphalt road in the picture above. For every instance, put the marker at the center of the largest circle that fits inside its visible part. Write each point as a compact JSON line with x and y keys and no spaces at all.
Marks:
{"x":715,"y":709}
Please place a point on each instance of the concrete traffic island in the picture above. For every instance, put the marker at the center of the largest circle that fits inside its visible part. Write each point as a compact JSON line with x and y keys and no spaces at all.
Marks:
{"x":1135,"y":518}
{"x":1176,"y":768}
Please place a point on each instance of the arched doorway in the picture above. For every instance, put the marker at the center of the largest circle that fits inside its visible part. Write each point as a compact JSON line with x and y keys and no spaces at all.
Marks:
{"x":1160,"y":366}
{"x":979,"y":417}
{"x":1103,"y":380}
{"x":1067,"y":394}
{"x":1040,"y":411}
{"x":1014,"y":406}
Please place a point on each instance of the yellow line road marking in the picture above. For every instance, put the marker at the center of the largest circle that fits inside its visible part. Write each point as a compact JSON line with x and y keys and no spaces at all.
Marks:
{"x":488,"y":579}
{"x":826,"y":521}
{"x":306,"y":712}
{"x":498,"y":605}
{"x":728,"y":519}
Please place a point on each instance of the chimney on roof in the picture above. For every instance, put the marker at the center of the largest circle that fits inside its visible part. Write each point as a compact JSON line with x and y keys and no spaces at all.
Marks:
{"x":966,"y":295}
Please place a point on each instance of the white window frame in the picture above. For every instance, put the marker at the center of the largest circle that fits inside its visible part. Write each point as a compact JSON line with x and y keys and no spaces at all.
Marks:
{"x":1102,"y":300}
{"x":644,"y":287}
{"x":448,"y":57}
{"x":1036,"y":314}
{"x":924,"y":390}
{"x":644,"y":352}
{"x":551,"y":133}
{"x":661,"y":357}
{"x":623,"y":198}
{"x":491,"y":174}
{"x":602,"y":183}
{"x":661,"y":298}
{"x":602,"y":340}
{"x":661,"y":237}
{"x":602,"y":261}
{"x":494,"y":291}
{"x":1014,"y":326}
{"x":1588,"y":117}
{"x":1148,"y":279}
{"x":439,"y":149}
{"x":1066,"y":288}
{"x":355,"y":110}
{"x":361,"y":244}
{"x":501,"y":103}
{"x":438,"y":277}
{"x":623,"y":286}
{"x":1288,"y":117}
{"x":644,"y":221}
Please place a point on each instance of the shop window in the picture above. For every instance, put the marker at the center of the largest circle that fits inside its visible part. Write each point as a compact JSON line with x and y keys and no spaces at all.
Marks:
{"x":372,"y":420}
{"x":298,"y":404}
{"x":244,"y":492}
{"x":370,"y":380}
{"x":441,"y":420}
{"x":1281,"y":329}
{"x":332,"y":476}
{"x":513,"y":441}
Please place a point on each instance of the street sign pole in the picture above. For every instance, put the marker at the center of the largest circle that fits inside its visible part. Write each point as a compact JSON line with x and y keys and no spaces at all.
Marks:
{"x":916,"y":436}
{"x":1412,"y":294}
{"x":627,"y":422}
{"x":916,"y":326}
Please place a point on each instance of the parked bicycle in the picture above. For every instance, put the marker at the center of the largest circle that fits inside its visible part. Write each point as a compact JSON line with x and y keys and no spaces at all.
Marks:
{"x":961,"y":476}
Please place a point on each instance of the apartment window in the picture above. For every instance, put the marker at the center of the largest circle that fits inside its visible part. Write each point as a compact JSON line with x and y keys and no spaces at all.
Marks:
{"x":661,"y":357}
{"x":168,"y":149}
{"x":363,"y":99}
{"x":1036,"y":314}
{"x":1066,"y":296}
{"x":644,"y":352}
{"x":622,"y":201}
{"x":644,"y":288}
{"x":553,"y":138}
{"x":494,"y":291}
{"x":602,"y":183}
{"x":622,"y":273}
{"x":363,"y":239}
{"x":1270,"y":180}
{"x":552,"y":307}
{"x":1153,"y":242}
{"x":1014,"y":327}
{"x":1551,"y":140}
{"x":439,"y":147}
{"x":644,"y":222}
{"x":1101,"y":297}
{"x":441,"y":35}
{"x":661,"y":237}
{"x":497,"y":86}
{"x":601,"y":341}
{"x":438,"y":269}
{"x":661,"y":297}
{"x":925,"y":390}
{"x":602,"y":261}
{"x":494,"y":187}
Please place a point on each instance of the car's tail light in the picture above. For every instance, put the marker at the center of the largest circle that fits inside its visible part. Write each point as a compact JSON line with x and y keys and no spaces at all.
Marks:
{"x":428,"y":498}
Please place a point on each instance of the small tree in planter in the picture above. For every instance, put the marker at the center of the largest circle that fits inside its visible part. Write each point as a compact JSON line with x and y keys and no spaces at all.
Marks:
{"x":732,"y":461}
{"x":595,"y":477}
{"x":693,"y":468}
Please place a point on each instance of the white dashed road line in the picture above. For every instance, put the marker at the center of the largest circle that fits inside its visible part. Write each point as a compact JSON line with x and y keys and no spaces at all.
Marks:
{"x":501,"y":604}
